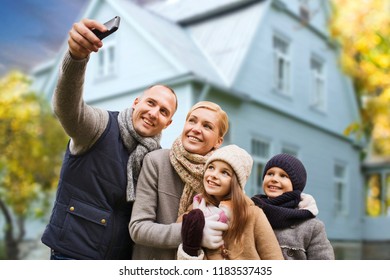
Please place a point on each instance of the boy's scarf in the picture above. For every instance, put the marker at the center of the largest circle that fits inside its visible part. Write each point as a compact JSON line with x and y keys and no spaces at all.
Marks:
{"x":137,"y":146}
{"x":190,"y":168}
{"x":282,"y":211}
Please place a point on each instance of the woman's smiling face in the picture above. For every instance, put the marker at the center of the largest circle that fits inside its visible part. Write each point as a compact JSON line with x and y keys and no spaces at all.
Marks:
{"x":201,"y":132}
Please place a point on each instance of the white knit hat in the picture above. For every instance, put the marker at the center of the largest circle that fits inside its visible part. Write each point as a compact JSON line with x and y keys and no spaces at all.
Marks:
{"x":237,"y":158}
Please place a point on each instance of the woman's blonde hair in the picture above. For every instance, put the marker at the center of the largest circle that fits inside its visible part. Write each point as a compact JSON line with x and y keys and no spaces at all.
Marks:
{"x":223,"y":119}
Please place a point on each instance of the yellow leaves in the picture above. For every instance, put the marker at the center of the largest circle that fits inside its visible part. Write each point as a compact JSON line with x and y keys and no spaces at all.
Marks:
{"x":373,"y":207}
{"x":385,"y":96}
{"x":31,"y":143}
{"x":363,"y":29}
{"x":353,"y":128}
{"x":383,"y":60}
{"x":373,"y":196}
{"x":348,"y":64}
{"x":361,"y":46}
{"x":381,"y":130}
{"x":12,"y":86}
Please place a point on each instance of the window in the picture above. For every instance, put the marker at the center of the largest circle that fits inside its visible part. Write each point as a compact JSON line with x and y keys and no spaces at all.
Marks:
{"x":340,"y":184}
{"x":260,"y":151}
{"x":106,"y":60}
{"x":317,"y":84}
{"x":281,"y":65}
{"x":387,"y":194}
{"x":377,"y":189}
{"x":373,"y":195}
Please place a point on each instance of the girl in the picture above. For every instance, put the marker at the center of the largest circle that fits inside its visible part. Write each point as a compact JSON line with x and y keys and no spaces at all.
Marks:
{"x":249,"y":235}
{"x":301,"y":236}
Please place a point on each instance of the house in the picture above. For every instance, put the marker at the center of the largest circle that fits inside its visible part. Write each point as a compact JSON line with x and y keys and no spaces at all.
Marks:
{"x":270,"y":65}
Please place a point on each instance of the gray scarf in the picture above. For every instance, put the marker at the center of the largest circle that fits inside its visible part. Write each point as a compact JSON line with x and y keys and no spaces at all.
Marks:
{"x":137,"y":146}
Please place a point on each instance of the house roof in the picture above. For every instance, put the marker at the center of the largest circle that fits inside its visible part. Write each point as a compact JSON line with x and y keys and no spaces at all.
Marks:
{"x":170,"y":40}
{"x":222,"y":30}
{"x":189,"y":10}
{"x":208,"y":40}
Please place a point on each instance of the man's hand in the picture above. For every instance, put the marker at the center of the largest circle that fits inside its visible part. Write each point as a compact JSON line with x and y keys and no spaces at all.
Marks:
{"x":82,"y":41}
{"x":212,"y":232}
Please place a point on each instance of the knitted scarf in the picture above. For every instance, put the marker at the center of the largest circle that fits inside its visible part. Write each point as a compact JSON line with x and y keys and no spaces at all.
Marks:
{"x":190,"y":168}
{"x":282,"y":211}
{"x":137,"y":146}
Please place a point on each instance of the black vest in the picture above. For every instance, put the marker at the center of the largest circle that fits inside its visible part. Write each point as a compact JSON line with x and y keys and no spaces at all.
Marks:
{"x":90,"y":216}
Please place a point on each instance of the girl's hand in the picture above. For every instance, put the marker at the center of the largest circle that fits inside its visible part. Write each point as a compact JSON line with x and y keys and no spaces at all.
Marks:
{"x":212,"y":232}
{"x":192,"y":231}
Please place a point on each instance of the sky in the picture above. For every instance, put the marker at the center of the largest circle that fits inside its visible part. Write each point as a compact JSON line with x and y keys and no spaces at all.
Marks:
{"x":33,"y":31}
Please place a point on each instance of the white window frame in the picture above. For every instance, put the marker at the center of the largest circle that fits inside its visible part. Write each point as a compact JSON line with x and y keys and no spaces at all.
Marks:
{"x":106,"y":64}
{"x":282,"y":64}
{"x":260,"y":158}
{"x":340,"y":188}
{"x":318,"y":84}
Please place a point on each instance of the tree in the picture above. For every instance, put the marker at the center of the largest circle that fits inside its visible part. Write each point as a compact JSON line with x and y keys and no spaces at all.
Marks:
{"x":31,"y":149}
{"x":363,"y":30}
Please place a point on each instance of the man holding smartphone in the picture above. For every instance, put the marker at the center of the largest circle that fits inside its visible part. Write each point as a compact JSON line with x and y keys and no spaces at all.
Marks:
{"x":103,"y":158}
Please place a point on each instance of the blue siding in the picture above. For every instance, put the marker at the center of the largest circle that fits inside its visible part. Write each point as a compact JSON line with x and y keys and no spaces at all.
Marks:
{"x":318,"y":149}
{"x":256,"y":76}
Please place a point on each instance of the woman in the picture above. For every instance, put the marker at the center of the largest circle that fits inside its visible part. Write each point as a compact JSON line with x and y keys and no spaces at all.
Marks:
{"x":169,"y":180}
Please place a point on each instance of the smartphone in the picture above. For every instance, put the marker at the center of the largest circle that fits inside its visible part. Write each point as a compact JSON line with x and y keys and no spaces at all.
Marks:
{"x":112,"y":26}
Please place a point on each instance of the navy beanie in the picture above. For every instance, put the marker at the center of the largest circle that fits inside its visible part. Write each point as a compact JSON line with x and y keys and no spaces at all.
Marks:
{"x":292,"y":166}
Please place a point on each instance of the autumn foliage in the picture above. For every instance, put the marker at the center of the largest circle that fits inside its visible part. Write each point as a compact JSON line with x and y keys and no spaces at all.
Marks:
{"x":363,"y":30}
{"x":31,"y":147}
